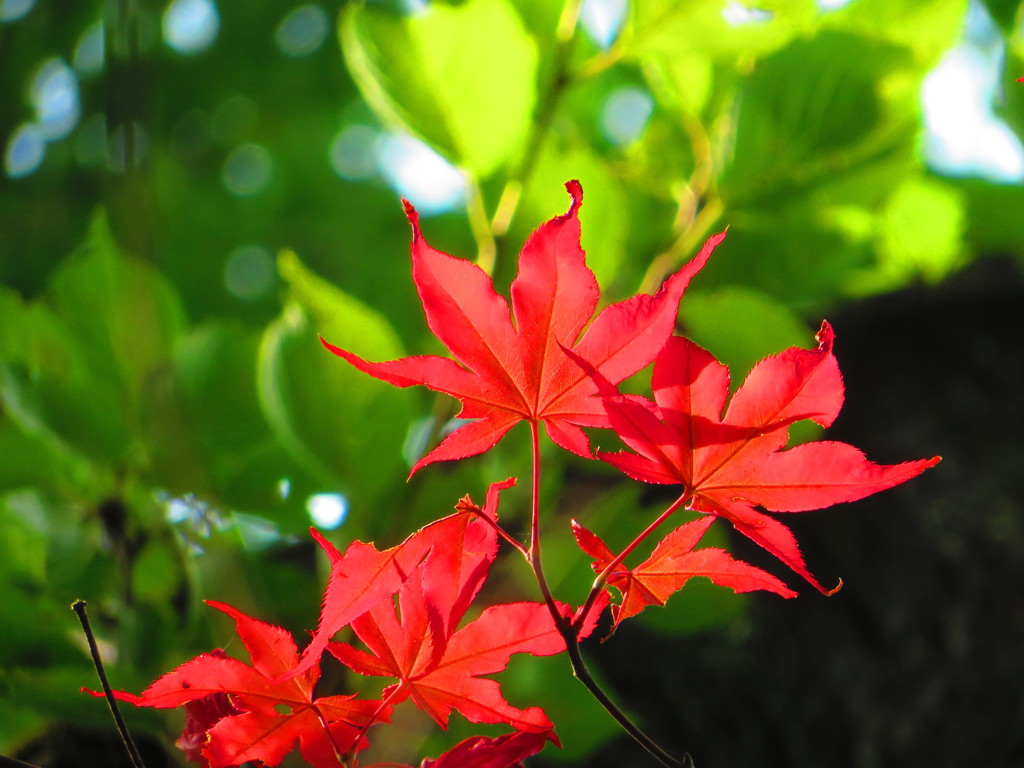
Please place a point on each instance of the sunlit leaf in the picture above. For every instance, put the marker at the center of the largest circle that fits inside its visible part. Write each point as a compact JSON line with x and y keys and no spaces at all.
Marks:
{"x":666,"y":27}
{"x":921,"y":232}
{"x":926,"y":28}
{"x":461,"y":77}
{"x":787,"y":139}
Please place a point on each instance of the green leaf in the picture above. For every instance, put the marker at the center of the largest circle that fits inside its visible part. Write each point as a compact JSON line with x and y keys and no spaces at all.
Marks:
{"x":927,"y":28}
{"x":663,"y":28}
{"x":122,"y":311}
{"x":156,"y":573}
{"x":48,"y":389}
{"x":75,"y":372}
{"x":460,"y":77}
{"x":206,"y":433}
{"x":816,"y":108}
{"x":29,"y":460}
{"x":993,"y":223}
{"x":24,"y":548}
{"x":1004,"y":13}
{"x":741,"y":326}
{"x":340,"y":425}
{"x":921,"y":235}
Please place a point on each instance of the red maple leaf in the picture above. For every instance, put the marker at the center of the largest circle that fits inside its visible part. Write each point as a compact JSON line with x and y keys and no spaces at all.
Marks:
{"x":438,"y":665}
{"x":200,"y":716}
{"x":673,"y":562}
{"x":441,"y":670}
{"x":506,"y":751}
{"x":362,"y":577}
{"x":731,"y":464}
{"x":508,"y":368}
{"x":249,"y":713}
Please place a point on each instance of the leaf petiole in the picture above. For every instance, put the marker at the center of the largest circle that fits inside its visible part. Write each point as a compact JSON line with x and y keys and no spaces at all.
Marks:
{"x":475,"y":510}
{"x":602,"y":577}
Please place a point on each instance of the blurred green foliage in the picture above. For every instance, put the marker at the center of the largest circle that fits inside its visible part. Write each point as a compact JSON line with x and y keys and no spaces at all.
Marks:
{"x":180,"y":217}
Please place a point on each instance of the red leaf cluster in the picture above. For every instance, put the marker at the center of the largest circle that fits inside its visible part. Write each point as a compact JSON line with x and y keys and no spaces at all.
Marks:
{"x":543,"y":358}
{"x":237,"y":712}
{"x":732,"y":460}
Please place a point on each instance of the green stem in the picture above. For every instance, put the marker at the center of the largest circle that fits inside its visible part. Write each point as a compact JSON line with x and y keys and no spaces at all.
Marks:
{"x":684,"y":245}
{"x":480,"y":226}
{"x":542,"y":119}
{"x":475,"y":510}
{"x":133,"y":753}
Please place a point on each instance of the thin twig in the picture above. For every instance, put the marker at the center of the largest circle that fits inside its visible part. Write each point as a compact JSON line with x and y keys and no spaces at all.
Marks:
{"x":569,"y":632}
{"x":13,"y":762}
{"x":133,"y":753}
{"x":534,"y":556}
{"x":480,"y":226}
{"x":582,"y":673}
{"x":474,"y":510}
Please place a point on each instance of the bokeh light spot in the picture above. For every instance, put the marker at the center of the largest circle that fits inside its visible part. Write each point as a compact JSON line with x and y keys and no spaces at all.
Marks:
{"x":603,"y":19}
{"x":327,"y":510}
{"x":249,"y":272}
{"x":89,"y":51}
{"x":302,"y":31}
{"x":12,"y":10}
{"x":736,"y":14}
{"x":352,"y":152}
{"x":247,"y":170}
{"x":26,"y":149}
{"x":55,"y":99}
{"x":190,"y":26}
{"x":419,"y":174}
{"x":625,"y":114}
{"x":963,"y":135}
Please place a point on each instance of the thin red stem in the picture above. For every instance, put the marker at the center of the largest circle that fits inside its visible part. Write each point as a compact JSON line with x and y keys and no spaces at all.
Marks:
{"x":330,"y":736}
{"x":533,"y":554}
{"x":474,"y":510}
{"x":602,"y":577}
{"x":354,"y":747}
